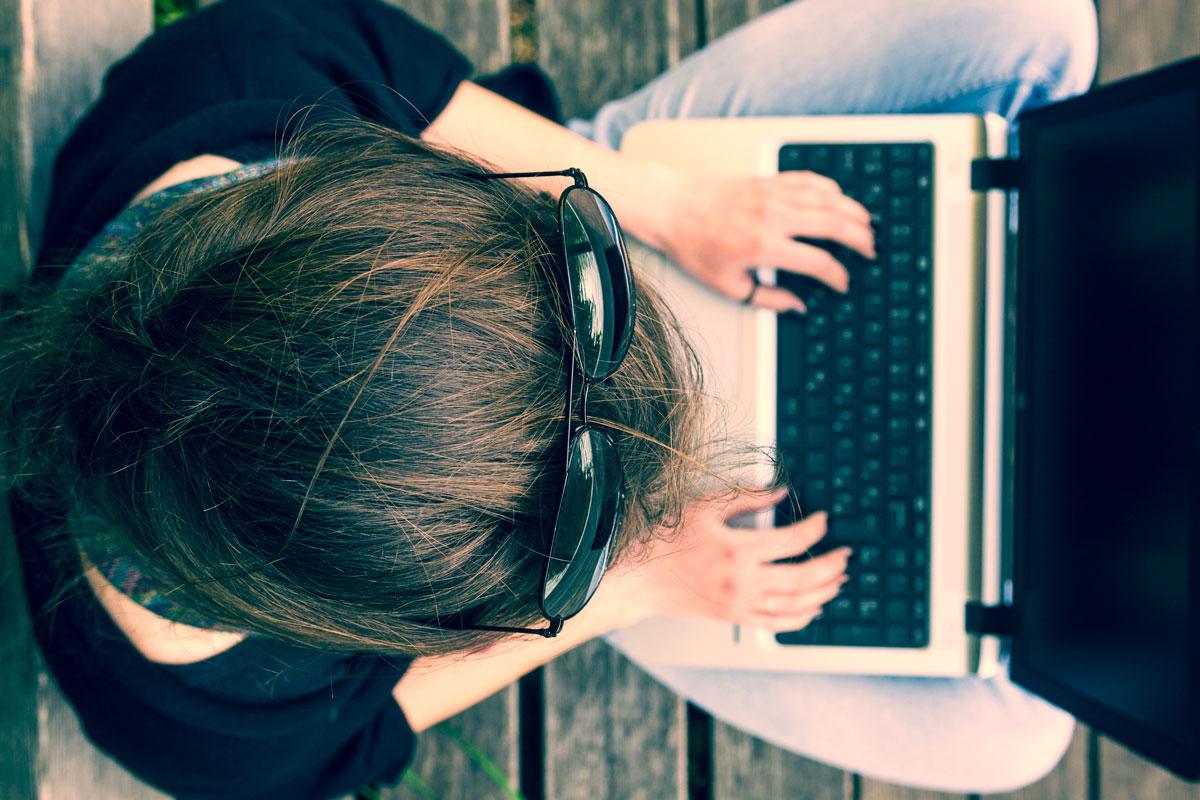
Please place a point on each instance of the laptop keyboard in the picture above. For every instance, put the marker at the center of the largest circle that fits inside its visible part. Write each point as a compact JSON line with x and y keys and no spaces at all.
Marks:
{"x":854,"y":398}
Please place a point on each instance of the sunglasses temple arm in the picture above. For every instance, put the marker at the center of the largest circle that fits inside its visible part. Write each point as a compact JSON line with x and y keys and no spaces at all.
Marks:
{"x":571,"y":172}
{"x":556,"y":625}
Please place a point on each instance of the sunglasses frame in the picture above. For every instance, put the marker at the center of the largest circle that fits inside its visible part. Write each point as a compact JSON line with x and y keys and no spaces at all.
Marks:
{"x":575,"y":431}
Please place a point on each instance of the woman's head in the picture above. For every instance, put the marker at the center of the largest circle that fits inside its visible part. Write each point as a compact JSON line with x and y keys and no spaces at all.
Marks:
{"x":368,"y":335}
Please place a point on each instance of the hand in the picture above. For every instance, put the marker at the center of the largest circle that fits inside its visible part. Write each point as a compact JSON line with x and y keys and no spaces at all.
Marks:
{"x":707,"y":568}
{"x":718,"y":228}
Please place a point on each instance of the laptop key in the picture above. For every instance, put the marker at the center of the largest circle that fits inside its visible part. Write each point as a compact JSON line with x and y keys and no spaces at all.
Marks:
{"x":842,"y":608}
{"x":854,"y":529}
{"x":864,"y":405}
{"x":869,"y":608}
{"x":859,"y":635}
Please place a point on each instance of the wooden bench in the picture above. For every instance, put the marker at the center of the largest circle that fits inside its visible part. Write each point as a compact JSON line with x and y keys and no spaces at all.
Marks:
{"x":590,"y":725}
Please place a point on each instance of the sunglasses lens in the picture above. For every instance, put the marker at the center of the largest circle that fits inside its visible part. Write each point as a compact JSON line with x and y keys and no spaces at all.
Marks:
{"x":588,"y":515}
{"x":601,"y":289}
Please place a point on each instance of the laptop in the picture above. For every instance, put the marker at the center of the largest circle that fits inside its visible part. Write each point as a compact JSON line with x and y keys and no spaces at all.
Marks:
{"x":1002,"y":416}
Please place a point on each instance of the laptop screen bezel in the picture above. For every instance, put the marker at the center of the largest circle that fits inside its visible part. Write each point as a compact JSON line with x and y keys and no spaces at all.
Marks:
{"x":1180,"y":757}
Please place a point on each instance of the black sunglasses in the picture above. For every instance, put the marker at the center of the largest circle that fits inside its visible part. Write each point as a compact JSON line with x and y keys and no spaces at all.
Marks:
{"x":597,"y":294}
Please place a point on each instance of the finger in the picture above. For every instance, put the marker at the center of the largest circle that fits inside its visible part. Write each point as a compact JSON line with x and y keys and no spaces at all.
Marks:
{"x":805,"y":259}
{"x":824,"y":223}
{"x":789,"y":540}
{"x":806,"y":576}
{"x":777,"y":299}
{"x":809,"y":197}
{"x":735,"y":285}
{"x":810,"y":180}
{"x":749,"y":501}
{"x":781,"y":623}
{"x":804,"y":597}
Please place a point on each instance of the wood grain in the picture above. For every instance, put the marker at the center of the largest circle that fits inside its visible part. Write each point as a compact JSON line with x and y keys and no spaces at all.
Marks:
{"x":604,"y":49}
{"x":18,"y":676}
{"x":746,"y":768}
{"x":723,"y":16}
{"x":72,"y":45}
{"x":1067,"y":781}
{"x":447,"y":767}
{"x":1138,"y":35}
{"x":1124,"y":775}
{"x":53,"y":53}
{"x":479,"y":28}
{"x":610,"y":730}
{"x":14,"y":187}
{"x":69,"y":767}
{"x":877,"y":790}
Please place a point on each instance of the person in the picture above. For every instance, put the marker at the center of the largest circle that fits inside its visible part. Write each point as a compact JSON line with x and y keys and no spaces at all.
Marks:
{"x":284,"y":404}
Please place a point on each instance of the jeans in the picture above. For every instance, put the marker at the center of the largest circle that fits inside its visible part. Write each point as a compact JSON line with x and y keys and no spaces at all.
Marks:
{"x":873,"y":56}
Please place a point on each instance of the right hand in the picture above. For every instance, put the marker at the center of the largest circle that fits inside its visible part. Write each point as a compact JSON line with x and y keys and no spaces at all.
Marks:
{"x":718,"y":228}
{"x":708,"y":568}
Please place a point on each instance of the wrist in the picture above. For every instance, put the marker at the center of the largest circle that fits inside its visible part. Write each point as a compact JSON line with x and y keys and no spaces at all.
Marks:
{"x":647,"y":209}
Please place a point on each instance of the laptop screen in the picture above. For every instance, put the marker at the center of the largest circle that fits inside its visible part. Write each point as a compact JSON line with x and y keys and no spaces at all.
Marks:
{"x":1107,"y":482}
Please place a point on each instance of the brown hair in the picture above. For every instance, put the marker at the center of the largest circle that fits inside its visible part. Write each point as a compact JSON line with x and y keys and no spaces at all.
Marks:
{"x":364,"y":334}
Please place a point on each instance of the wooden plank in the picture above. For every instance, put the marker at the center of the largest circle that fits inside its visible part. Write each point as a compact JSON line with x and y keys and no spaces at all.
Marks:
{"x":54,"y":54}
{"x":611,"y":731}
{"x":479,"y":28}
{"x":14,"y":244}
{"x":449,"y":768}
{"x":604,"y":49}
{"x":18,"y":676}
{"x":723,"y":16}
{"x":1124,"y":774}
{"x":69,"y":766}
{"x":877,"y":790}
{"x":1067,"y":781}
{"x":746,"y":768}
{"x":1138,"y":35}
{"x":72,"y":45}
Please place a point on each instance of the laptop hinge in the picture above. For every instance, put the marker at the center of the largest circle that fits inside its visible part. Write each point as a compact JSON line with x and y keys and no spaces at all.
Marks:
{"x":995,"y":173}
{"x":985,"y":620}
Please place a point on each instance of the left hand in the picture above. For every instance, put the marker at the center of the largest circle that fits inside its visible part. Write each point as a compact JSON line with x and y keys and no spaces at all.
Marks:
{"x":719,"y":227}
{"x":707,"y":568}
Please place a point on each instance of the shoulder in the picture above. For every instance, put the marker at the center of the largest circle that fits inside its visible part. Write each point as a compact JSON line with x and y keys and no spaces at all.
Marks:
{"x":156,"y":638}
{"x":202,"y":166}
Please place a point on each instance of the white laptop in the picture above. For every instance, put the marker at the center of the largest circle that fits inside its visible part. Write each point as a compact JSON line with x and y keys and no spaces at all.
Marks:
{"x":1051,"y":505}
{"x":739,"y":348}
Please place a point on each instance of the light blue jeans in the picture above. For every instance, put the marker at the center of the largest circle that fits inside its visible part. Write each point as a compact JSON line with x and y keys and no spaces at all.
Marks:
{"x":873,"y":56}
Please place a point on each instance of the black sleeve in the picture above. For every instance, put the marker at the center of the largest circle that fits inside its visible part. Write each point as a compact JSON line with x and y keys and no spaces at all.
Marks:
{"x":263,"y":719}
{"x":236,"y":73}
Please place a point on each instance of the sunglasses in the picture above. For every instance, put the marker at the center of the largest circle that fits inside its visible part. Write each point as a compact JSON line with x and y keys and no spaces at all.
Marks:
{"x":596,"y":288}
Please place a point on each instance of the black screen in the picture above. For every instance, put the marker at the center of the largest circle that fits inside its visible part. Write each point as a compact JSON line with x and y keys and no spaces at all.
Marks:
{"x":1107,"y":434}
